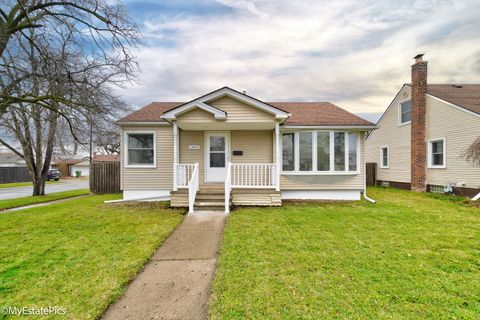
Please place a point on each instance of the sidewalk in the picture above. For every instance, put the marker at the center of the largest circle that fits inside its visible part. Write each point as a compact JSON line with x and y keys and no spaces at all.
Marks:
{"x":175,"y":284}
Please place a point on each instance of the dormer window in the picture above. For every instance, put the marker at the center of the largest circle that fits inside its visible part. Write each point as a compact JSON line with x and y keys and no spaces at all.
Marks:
{"x":405,"y":112}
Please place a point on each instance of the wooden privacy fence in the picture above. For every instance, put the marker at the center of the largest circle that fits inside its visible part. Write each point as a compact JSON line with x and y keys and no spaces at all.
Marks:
{"x":105,"y":177}
{"x":371,"y":173}
{"x":14,"y":174}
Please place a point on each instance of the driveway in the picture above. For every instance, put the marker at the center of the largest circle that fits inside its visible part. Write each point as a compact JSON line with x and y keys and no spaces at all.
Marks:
{"x":62,"y":185}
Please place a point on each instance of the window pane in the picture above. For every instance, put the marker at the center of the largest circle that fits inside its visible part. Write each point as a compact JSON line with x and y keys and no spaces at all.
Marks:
{"x":217,"y":143}
{"x":352,"y":151}
{"x":384,"y":157}
{"x":306,"y":145}
{"x":140,"y":141}
{"x":437,"y":147}
{"x":437,"y":153}
{"x":323,"y":151}
{"x":288,"y":152}
{"x":217,"y":160}
{"x":406,"y":110}
{"x":139,"y":156}
{"x":339,"y":147}
{"x":438,"y":159}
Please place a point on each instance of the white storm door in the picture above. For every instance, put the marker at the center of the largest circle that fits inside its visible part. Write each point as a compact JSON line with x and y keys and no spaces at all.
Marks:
{"x":217,"y":156}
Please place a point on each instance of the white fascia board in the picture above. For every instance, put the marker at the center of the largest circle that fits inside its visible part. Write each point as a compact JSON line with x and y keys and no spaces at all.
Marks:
{"x":349,"y":128}
{"x":217,"y":113}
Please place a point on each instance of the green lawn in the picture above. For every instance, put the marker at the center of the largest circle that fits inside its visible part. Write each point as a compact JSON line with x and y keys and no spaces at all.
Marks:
{"x":410,"y":256}
{"x":79,"y":254}
{"x":25,"y":201}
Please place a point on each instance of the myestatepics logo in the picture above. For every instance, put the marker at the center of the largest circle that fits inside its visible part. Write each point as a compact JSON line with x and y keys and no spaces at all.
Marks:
{"x":32,"y":311}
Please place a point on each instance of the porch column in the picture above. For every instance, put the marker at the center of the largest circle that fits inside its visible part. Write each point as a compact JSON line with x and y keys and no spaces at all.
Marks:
{"x":175,"y":155}
{"x":278,"y":156}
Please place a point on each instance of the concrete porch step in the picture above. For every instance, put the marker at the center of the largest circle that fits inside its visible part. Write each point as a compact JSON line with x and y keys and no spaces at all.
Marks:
{"x":208,"y":208}
{"x":209,"y":203}
{"x":210,"y":196}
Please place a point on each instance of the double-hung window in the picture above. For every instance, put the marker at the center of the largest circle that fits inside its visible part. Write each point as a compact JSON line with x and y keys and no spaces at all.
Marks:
{"x":140,"y":147}
{"x":318,"y":152}
{"x":405,"y":112}
{"x":436,"y":153}
{"x":384,"y":157}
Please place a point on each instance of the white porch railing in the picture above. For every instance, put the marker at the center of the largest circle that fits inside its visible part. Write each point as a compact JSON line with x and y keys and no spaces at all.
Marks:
{"x":193,"y":187}
{"x":228,"y":187}
{"x":184,"y":172}
{"x":249,"y":175}
{"x":254,"y":175}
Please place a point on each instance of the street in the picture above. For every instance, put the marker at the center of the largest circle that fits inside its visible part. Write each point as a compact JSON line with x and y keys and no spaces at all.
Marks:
{"x":62,"y":185}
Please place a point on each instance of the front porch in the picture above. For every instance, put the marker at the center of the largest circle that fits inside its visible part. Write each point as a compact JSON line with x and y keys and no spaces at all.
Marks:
{"x":244,"y":185}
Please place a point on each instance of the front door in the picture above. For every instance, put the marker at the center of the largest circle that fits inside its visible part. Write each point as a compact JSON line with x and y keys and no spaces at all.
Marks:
{"x":217,"y":156}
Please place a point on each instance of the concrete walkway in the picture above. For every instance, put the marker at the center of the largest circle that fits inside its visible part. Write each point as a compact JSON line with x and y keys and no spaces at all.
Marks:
{"x":175,"y":284}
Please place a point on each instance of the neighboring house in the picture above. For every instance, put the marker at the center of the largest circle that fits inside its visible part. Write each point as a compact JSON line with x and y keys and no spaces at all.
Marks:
{"x":83,"y":167}
{"x":234,"y":146}
{"x":83,"y":164}
{"x":65,"y":166}
{"x":423,"y":136}
{"x":10,"y":159}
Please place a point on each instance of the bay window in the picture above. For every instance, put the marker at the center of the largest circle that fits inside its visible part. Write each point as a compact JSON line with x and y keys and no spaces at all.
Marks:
{"x":140,"y":149}
{"x":318,"y":152}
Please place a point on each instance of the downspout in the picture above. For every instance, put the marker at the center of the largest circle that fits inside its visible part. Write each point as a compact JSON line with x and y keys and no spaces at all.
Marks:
{"x":476,"y":197}
{"x":365,"y":179}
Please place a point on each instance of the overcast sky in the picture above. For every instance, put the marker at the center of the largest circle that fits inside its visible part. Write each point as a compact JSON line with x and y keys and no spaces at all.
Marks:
{"x":356,"y":54}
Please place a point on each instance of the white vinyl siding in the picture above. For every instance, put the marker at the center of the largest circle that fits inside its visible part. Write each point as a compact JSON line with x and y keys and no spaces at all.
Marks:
{"x":159,"y":177}
{"x":397,"y":138}
{"x":460,"y":129}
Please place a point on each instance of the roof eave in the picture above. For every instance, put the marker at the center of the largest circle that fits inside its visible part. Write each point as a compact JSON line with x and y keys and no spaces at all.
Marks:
{"x":344,"y":127}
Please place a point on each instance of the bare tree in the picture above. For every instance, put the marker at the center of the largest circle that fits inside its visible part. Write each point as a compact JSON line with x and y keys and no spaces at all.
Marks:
{"x":107,"y":139}
{"x":75,"y":97}
{"x":472,"y":154}
{"x":100,"y":32}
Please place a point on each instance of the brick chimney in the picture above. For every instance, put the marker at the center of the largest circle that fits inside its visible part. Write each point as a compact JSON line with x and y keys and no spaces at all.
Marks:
{"x":418,"y":143}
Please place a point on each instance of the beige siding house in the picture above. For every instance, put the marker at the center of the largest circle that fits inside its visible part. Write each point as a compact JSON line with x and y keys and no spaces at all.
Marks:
{"x":451,"y":125}
{"x":229,"y":148}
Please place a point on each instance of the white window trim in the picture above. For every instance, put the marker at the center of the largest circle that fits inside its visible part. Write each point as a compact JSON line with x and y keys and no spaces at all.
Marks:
{"x":296,"y":140}
{"x":399,"y":118}
{"x":381,"y":157}
{"x":430,"y":165}
{"x":154,"y":165}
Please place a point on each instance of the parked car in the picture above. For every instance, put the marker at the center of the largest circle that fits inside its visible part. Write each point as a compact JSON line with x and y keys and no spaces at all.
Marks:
{"x":53,"y":175}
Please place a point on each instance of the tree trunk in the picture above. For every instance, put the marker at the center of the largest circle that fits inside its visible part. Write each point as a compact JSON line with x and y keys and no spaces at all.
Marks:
{"x":39,"y":187}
